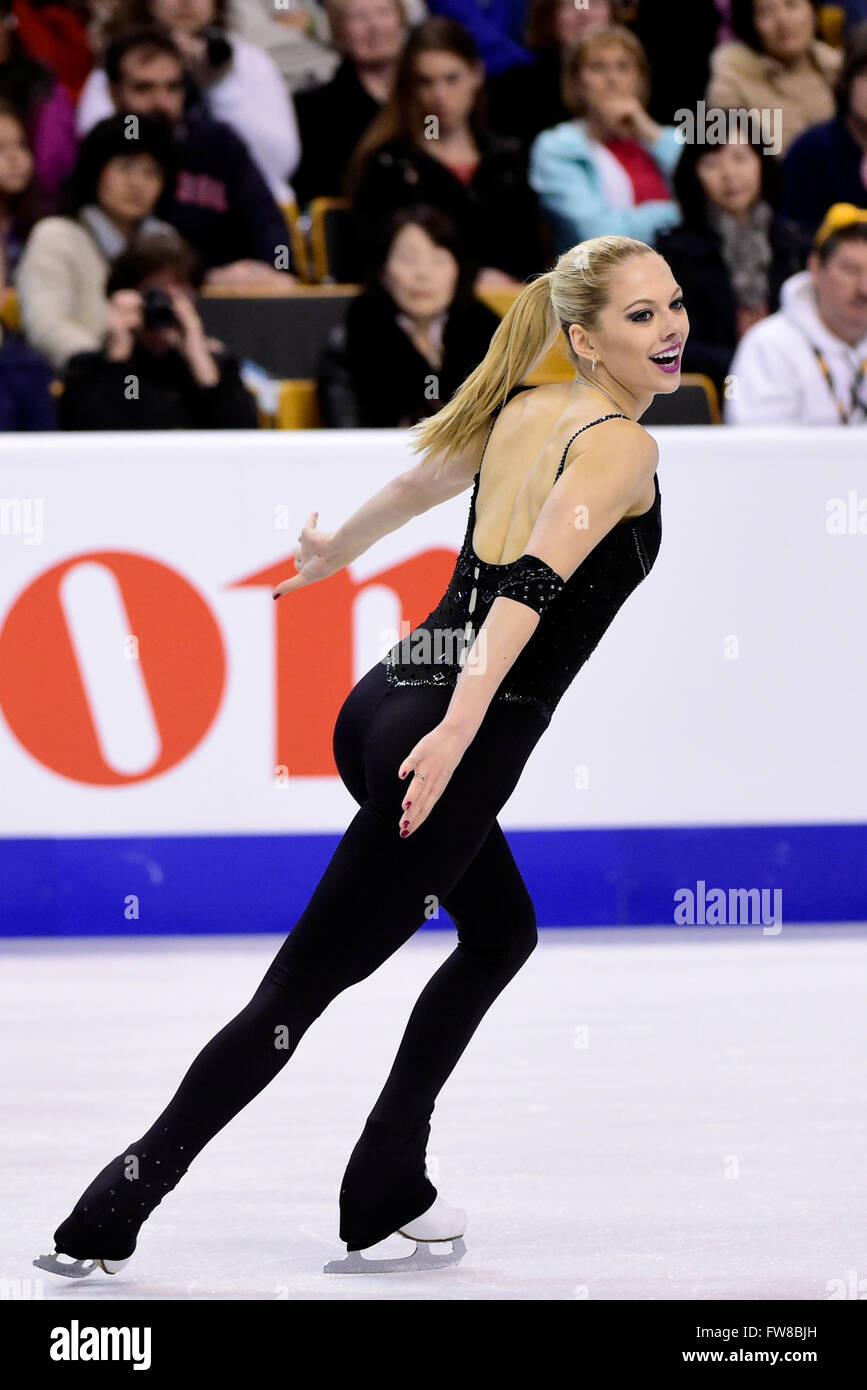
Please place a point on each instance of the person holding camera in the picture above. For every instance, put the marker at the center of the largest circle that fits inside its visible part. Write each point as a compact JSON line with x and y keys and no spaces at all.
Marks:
{"x":156,"y":370}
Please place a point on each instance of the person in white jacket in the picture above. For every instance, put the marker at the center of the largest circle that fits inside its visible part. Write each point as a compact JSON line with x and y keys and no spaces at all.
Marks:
{"x":807,"y":363}
{"x":248,"y":93}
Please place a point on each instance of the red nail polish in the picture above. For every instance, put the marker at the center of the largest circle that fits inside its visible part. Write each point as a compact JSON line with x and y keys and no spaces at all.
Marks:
{"x":403,"y":834}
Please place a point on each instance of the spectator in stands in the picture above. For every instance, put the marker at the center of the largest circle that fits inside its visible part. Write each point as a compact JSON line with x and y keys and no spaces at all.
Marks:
{"x":414,"y":333}
{"x":239,"y":83}
{"x":332,"y":118}
{"x":497,"y":26}
{"x":156,"y":370}
{"x":528,"y":98}
{"x":21,"y":200}
{"x":220,"y":204}
{"x":115,"y":187}
{"x":42,"y":103}
{"x":608,"y":169}
{"x":26,"y":402}
{"x":828,"y":163}
{"x":806,"y":364}
{"x":431,"y":145}
{"x":732,"y":251}
{"x":776,"y":64}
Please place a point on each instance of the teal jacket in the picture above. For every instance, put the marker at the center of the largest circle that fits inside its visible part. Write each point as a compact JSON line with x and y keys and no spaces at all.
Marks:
{"x":564,"y":175}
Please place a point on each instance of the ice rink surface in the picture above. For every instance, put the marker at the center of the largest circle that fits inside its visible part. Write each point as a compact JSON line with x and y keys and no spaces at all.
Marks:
{"x":672,"y":1114}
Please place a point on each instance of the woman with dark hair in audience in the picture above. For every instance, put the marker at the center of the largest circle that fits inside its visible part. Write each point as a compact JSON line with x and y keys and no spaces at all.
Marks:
{"x":238,"y":81}
{"x":528,"y":97}
{"x":776,"y":64}
{"x":114,"y":189}
{"x":332,"y":118}
{"x":431,"y":144}
{"x":413,"y":334}
{"x":828,"y":163}
{"x":732,"y":251}
{"x":21,"y":199}
{"x":42,"y":103}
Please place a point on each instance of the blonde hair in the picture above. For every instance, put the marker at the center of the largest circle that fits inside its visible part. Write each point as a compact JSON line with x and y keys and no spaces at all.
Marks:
{"x":575,"y":291}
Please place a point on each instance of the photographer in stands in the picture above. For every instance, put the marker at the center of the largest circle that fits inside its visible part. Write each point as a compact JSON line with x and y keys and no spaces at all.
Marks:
{"x":156,"y":370}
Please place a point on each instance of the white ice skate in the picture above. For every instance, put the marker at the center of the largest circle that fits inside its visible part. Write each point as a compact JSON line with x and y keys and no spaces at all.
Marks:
{"x":78,"y":1269}
{"x":439,"y":1225}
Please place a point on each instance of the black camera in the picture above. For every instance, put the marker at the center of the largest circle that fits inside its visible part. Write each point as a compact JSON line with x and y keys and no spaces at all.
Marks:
{"x":157,"y":311}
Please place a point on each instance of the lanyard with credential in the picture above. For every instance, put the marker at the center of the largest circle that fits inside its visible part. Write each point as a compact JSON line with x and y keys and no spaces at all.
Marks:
{"x":856,"y":403}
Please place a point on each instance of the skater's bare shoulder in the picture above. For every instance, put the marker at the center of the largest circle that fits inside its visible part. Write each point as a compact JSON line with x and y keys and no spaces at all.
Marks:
{"x":438,"y":478}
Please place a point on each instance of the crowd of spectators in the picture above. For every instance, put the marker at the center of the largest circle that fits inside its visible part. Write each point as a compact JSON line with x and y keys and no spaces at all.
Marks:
{"x":152,"y":150}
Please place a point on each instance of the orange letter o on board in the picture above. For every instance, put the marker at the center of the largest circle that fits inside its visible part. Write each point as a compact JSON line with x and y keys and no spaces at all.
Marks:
{"x":183,"y":664}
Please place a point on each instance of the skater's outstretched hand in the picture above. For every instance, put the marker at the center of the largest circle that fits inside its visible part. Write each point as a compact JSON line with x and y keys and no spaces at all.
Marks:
{"x":315,"y":558}
{"x":437,"y":755}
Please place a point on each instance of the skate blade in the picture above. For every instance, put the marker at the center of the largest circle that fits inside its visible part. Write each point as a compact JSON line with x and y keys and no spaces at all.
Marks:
{"x":420,"y":1259}
{"x":77,"y":1269}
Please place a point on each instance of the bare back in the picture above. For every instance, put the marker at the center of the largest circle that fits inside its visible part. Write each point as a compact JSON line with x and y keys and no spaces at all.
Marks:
{"x":521,"y":461}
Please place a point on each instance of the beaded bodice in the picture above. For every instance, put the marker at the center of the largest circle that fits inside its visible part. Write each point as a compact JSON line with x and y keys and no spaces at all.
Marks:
{"x":575,"y":617}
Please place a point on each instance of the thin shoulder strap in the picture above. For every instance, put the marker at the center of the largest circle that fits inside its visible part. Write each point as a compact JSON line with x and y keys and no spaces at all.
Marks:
{"x":613,"y":416}
{"x":494,"y":417}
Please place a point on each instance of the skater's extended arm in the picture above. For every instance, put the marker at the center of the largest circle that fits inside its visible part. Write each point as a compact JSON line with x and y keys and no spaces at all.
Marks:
{"x":320,"y":554}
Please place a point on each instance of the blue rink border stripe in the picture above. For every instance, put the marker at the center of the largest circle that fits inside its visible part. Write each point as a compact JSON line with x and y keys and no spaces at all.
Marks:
{"x":576,"y":877}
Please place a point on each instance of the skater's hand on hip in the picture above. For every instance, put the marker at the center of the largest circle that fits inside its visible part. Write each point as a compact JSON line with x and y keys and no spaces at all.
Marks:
{"x":314,"y":558}
{"x":429,"y":767}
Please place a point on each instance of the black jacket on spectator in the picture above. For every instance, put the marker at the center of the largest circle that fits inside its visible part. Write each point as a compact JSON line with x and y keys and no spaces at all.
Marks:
{"x":678,"y":41}
{"x":525,"y":99}
{"x":221,"y":203}
{"x":26,"y":402}
{"x":825,"y":165}
{"x":697,"y":264}
{"x":331,"y":120}
{"x":372,"y":376}
{"x":497,"y":213}
{"x":95,"y":395}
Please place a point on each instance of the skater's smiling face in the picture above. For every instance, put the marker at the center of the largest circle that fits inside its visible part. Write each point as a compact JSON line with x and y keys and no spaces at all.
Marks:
{"x":638,"y":337}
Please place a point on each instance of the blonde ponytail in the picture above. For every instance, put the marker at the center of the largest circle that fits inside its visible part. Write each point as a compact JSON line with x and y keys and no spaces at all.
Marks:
{"x":575,"y":291}
{"x":524,"y":334}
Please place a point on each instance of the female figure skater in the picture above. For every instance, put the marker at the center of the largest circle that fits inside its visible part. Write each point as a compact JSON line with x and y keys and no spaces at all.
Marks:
{"x":431,"y":743}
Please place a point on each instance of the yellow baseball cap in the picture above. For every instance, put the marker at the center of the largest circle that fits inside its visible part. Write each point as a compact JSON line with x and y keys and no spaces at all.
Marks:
{"x":839,"y":216}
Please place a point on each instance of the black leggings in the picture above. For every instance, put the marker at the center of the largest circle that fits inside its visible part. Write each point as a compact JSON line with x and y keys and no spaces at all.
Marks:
{"x":377,"y":890}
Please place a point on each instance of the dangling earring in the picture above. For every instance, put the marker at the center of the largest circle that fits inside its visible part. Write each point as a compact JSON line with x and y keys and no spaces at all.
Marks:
{"x":593,"y":365}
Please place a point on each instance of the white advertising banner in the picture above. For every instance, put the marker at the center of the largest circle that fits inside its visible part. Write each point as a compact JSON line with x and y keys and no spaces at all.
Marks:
{"x":150,"y":685}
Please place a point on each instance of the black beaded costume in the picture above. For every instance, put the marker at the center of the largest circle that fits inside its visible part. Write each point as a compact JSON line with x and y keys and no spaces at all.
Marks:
{"x":573,"y":615}
{"x":376,"y":892}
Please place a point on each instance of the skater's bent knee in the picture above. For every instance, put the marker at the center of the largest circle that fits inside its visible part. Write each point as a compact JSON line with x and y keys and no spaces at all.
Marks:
{"x":506,"y":943}
{"x":523,"y":942}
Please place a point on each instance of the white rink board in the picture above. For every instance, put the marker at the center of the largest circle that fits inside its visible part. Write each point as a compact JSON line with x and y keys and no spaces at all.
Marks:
{"x":672,"y":729}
